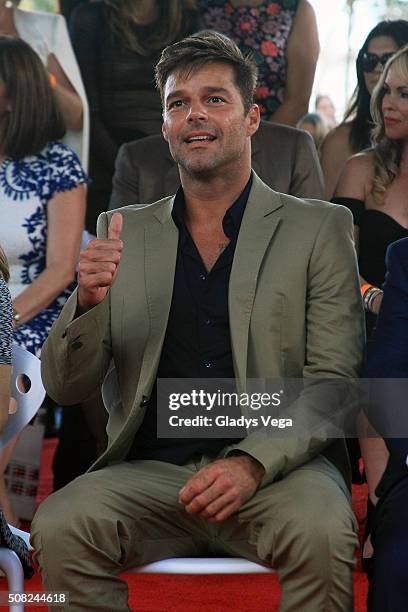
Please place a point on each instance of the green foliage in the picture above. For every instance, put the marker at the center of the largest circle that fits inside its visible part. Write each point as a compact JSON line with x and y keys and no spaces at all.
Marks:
{"x":39,"y":5}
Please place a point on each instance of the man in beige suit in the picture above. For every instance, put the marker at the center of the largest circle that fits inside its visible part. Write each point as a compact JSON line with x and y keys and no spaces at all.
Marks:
{"x":227,"y":278}
{"x":285,"y":158}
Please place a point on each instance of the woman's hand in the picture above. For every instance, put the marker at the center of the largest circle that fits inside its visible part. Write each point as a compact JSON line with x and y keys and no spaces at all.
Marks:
{"x":376,"y":304}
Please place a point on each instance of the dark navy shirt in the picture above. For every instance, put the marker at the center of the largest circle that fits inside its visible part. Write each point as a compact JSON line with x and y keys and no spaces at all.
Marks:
{"x":197,"y":343}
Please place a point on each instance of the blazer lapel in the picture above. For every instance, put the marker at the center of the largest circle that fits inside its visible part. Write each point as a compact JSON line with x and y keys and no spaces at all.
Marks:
{"x":161,"y":239}
{"x":259,"y":223}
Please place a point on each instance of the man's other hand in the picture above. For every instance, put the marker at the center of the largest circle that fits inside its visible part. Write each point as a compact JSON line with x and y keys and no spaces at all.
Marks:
{"x":220,"y":488}
{"x":98,"y":265}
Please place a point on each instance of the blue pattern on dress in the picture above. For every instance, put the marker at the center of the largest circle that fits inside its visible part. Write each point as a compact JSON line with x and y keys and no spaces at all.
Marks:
{"x":35,"y":180}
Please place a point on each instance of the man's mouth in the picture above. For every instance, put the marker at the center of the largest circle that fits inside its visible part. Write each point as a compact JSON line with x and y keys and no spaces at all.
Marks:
{"x":200,"y":138}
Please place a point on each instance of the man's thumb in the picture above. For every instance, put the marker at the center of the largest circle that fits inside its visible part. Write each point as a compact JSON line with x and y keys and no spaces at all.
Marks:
{"x":115,"y":226}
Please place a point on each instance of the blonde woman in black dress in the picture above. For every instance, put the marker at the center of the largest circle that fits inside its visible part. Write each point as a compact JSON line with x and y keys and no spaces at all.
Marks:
{"x":374,"y":185}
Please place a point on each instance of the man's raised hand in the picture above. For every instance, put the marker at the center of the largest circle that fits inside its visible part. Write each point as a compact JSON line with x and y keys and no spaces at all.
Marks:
{"x":98,"y":265}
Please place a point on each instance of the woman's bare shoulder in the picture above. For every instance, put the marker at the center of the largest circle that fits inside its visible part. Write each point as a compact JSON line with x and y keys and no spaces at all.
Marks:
{"x":339,"y":136}
{"x":357,"y":175}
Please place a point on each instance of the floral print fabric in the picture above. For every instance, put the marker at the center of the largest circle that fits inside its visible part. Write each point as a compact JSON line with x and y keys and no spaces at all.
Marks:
{"x":26,"y":187}
{"x":263,"y":30}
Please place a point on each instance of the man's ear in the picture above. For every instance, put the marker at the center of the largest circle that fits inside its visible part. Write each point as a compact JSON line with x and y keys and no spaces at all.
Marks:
{"x":164,"y":131}
{"x":254,"y":117}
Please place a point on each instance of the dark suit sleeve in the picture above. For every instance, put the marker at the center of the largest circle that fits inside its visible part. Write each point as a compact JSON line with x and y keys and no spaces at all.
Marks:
{"x":125,"y":186}
{"x":387,"y":356}
{"x":307,"y":178}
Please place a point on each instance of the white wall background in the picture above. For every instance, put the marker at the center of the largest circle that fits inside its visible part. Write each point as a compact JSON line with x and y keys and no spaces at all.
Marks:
{"x":333,"y":24}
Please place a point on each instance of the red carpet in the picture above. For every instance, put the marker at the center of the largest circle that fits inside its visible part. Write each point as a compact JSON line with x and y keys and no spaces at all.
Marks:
{"x":162,"y":593}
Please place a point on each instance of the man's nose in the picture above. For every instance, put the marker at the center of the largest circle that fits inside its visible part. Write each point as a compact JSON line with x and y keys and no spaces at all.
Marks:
{"x":197,"y":112}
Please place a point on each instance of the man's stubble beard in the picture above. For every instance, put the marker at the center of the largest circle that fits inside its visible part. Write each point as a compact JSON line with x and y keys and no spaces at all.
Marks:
{"x":209,"y":168}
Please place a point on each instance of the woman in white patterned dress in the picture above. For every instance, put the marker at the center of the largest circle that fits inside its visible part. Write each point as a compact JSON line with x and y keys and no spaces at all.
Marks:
{"x":42,"y":198}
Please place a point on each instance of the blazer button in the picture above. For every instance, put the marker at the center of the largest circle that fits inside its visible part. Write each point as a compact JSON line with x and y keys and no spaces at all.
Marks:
{"x":144,"y":402}
{"x":76,"y":345}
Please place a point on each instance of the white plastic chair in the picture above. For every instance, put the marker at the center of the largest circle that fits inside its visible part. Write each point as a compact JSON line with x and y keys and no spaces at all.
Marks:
{"x":29,"y":394}
{"x":180,"y":565}
{"x":29,"y":399}
{"x":202,"y":565}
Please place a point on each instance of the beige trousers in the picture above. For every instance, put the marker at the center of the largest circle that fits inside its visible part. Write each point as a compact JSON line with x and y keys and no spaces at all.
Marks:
{"x":128,"y":514}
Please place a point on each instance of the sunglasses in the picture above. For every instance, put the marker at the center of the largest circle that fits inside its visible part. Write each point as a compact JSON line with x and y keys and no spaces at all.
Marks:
{"x":370,"y":60}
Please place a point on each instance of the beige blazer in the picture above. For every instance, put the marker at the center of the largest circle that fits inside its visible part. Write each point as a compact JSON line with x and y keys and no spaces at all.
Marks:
{"x":283,"y":157}
{"x":294,"y":305}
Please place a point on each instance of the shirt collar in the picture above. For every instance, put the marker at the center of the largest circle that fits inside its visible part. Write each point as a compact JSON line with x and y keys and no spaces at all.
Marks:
{"x":233,"y":215}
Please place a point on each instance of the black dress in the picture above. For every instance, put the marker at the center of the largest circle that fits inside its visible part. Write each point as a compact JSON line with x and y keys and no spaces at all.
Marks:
{"x":377,"y":230}
{"x":123,"y":101}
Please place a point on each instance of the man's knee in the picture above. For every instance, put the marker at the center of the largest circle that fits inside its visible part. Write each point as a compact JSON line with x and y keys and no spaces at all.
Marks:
{"x":313,"y":538}
{"x":55,"y":519}
{"x":66,"y":516}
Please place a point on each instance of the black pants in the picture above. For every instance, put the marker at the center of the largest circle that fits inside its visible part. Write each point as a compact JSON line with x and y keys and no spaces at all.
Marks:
{"x":388,"y":576}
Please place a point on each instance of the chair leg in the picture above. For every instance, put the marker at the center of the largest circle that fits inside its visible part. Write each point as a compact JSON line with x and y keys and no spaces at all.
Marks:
{"x":11,"y":565}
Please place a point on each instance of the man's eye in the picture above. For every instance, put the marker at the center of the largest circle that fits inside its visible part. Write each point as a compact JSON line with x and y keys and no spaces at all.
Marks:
{"x":176,"y":104}
{"x":216,"y":99}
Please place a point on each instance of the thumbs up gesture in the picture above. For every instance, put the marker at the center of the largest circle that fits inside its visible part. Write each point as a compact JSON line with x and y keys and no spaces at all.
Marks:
{"x":98,"y":265}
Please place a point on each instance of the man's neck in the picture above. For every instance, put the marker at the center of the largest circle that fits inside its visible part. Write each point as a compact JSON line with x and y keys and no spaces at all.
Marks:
{"x":208,"y":199}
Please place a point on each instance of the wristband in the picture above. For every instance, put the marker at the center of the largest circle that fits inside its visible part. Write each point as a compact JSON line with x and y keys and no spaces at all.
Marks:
{"x":53,"y":80}
{"x":365,"y":288}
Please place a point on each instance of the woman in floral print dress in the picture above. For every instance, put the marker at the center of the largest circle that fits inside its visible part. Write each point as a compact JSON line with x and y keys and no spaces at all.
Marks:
{"x":283,"y":37}
{"x":42,"y":204}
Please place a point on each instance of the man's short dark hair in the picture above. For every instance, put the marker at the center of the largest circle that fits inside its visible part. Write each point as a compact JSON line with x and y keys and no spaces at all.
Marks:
{"x":203,"y":48}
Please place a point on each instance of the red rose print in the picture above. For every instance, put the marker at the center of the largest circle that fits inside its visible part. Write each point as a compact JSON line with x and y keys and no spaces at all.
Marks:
{"x":245,"y":26}
{"x":261,"y":93}
{"x":273,"y":9}
{"x":269,"y":48}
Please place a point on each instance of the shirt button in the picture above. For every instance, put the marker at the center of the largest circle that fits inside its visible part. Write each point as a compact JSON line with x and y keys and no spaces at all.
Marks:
{"x":203,"y":277}
{"x":208,"y":364}
{"x":208,"y":322}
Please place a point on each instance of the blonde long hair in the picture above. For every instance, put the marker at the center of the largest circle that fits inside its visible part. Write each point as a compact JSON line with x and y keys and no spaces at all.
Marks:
{"x":4,"y":269}
{"x":387,"y":152}
{"x":168,"y":25}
